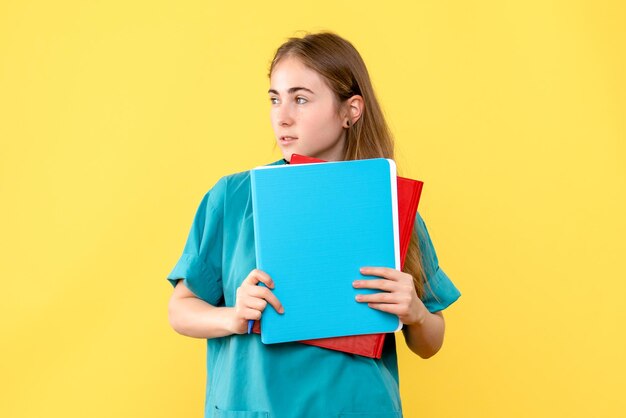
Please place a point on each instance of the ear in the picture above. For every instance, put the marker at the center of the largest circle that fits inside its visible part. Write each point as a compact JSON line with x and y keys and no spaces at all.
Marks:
{"x":353,"y":110}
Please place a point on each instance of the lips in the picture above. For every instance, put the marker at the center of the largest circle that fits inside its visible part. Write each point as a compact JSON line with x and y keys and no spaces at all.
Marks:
{"x":288,"y":138}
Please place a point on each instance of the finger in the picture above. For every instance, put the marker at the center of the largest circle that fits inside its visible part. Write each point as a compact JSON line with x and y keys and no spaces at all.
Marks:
{"x":257,"y":276}
{"x":389,"y":273}
{"x":251,"y":314}
{"x":382,"y":284}
{"x":385,"y":307}
{"x":255,"y":303}
{"x":268,"y":295}
{"x":378,"y":298}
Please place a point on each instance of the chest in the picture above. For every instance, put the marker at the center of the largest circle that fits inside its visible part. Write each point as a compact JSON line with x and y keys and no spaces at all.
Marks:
{"x":238,"y":255}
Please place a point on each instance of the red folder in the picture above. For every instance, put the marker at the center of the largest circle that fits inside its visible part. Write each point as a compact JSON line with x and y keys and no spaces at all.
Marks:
{"x":371,"y":345}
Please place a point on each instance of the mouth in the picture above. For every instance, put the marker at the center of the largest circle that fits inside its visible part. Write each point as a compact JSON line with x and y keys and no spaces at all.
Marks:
{"x":287,"y":139}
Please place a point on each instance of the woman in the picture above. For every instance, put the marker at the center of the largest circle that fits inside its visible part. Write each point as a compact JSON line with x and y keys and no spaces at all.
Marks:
{"x":323,"y":106}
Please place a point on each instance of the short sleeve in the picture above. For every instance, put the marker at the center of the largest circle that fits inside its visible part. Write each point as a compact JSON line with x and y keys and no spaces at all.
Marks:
{"x":200,"y":265}
{"x":442,"y":292}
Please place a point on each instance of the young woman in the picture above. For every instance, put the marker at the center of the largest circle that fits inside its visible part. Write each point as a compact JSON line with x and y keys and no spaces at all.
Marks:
{"x":322,"y":105}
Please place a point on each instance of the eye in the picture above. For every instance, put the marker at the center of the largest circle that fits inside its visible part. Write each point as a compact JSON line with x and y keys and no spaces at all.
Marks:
{"x":301,"y":98}
{"x":272,"y":100}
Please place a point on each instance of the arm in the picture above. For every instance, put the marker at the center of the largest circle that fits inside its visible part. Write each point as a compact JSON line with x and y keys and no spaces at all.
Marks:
{"x":193,"y":317}
{"x":425,"y":338}
{"x":423,"y":331}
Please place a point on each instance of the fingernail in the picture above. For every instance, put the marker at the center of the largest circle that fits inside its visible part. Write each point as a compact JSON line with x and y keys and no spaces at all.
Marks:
{"x":356,"y":283}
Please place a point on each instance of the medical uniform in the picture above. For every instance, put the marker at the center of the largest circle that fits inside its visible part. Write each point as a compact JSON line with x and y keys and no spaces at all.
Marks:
{"x":248,"y":379}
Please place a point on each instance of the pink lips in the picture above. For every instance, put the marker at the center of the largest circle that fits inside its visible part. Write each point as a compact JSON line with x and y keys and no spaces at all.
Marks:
{"x":287,"y":138}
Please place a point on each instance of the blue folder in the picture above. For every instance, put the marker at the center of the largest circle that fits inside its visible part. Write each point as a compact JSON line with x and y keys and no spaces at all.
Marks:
{"x":315,"y":225}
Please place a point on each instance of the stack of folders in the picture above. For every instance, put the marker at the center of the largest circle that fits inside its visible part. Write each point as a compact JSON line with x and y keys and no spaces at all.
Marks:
{"x":315,"y":226}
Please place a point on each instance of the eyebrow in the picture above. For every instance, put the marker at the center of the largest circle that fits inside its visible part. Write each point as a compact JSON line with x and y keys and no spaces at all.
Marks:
{"x":291,"y":90}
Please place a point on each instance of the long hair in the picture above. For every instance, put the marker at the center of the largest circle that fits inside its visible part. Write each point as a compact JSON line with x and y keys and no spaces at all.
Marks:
{"x":344,"y":71}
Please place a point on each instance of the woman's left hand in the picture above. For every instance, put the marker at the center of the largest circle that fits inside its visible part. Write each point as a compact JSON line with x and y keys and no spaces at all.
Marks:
{"x":398,"y":297}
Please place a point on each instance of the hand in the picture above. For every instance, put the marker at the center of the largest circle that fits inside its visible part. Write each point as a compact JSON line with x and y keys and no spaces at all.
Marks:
{"x":399,"y":296}
{"x":251,"y":300}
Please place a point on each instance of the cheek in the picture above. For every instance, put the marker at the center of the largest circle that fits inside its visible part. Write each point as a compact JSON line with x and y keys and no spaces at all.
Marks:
{"x":320,"y":122}
{"x":273,"y":117}
{"x":330,"y":128}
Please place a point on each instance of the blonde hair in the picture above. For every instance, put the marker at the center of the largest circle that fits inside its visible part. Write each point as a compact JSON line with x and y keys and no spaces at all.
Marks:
{"x":344,"y":71}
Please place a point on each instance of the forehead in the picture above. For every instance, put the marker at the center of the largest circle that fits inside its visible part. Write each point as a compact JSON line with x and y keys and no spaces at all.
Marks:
{"x":291,"y":72}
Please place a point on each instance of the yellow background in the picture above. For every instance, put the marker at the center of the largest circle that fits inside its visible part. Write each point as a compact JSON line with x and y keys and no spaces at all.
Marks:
{"x":116,"y":118}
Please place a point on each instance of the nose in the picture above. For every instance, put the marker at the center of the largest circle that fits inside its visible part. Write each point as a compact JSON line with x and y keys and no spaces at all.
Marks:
{"x":283,"y":114}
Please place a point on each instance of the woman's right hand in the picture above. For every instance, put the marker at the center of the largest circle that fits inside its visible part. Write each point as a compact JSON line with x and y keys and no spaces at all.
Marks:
{"x":251,"y":300}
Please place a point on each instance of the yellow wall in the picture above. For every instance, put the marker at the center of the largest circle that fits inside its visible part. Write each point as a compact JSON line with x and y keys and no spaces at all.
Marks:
{"x":117,"y":116}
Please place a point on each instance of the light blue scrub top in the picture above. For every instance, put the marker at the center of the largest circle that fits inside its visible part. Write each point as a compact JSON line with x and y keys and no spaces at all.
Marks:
{"x":248,"y":379}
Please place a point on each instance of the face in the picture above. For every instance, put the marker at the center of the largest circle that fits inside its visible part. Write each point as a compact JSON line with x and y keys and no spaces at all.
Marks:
{"x":304,"y":113}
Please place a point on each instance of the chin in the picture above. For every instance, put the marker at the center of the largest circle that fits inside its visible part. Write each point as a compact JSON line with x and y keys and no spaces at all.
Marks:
{"x":287,"y":154}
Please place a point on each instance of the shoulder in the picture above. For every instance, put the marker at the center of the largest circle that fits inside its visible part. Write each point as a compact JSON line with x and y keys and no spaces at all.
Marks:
{"x":229,"y":184}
